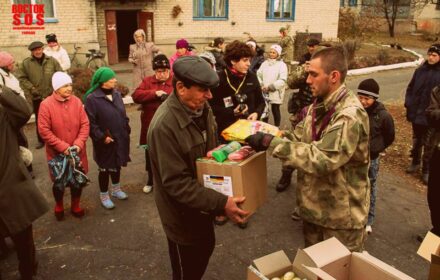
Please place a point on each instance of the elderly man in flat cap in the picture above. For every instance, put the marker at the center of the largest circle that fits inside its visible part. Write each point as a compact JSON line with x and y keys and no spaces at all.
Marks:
{"x":182,"y":130}
{"x":35,"y":76}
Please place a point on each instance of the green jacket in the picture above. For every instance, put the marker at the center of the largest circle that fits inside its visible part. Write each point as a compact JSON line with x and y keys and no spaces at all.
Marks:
{"x":286,"y":44}
{"x":36,"y":79}
{"x":333,"y":187}
{"x":186,"y":208}
{"x":21,"y":202}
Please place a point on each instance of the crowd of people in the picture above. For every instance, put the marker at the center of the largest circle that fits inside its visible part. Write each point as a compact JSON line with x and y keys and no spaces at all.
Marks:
{"x":186,"y":101}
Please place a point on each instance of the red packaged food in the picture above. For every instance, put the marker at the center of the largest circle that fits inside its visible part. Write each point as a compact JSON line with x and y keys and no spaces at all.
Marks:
{"x":242,"y":154}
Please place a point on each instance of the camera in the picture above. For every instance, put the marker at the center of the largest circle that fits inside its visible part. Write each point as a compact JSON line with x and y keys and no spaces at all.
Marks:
{"x":241,"y":98}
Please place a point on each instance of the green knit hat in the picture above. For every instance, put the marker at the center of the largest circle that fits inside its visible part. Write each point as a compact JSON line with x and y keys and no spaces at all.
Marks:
{"x":102,"y":75}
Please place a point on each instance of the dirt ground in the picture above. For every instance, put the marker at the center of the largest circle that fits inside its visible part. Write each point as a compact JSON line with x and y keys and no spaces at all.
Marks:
{"x":396,"y":158}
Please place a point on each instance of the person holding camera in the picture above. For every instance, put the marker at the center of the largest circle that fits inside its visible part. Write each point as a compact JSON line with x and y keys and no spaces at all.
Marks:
{"x":239,"y":94}
{"x":150,"y":94}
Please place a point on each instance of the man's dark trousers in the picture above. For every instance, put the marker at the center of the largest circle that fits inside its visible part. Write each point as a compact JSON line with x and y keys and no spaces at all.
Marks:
{"x":189,"y":262}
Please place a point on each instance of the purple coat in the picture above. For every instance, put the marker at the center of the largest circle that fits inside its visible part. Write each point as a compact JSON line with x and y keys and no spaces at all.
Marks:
{"x":108,"y":118}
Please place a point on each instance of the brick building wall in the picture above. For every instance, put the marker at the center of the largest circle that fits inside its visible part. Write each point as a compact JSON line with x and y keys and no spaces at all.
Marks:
{"x":76,"y":24}
{"x":248,"y":15}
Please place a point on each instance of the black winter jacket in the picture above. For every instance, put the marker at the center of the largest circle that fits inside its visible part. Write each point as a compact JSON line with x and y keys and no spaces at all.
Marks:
{"x":418,"y":93}
{"x":381,"y":129}
{"x":223,"y":111}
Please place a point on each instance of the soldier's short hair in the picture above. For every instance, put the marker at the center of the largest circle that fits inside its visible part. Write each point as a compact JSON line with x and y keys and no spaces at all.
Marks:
{"x":333,"y":59}
{"x":236,"y":51}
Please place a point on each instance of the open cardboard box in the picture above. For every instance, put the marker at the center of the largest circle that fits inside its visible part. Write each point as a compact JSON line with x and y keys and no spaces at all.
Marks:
{"x":430,"y":250}
{"x":246,"y":178}
{"x":327,"y":260}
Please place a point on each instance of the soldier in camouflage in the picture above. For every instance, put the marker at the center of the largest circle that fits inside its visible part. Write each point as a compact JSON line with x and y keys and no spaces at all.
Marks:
{"x":286,"y":43}
{"x":330,"y":150}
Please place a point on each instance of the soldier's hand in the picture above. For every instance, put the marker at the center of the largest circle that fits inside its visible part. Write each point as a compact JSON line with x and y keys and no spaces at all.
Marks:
{"x":234,"y":213}
{"x":259,"y":141}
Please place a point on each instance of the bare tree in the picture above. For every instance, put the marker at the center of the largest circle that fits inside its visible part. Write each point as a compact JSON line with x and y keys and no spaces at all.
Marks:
{"x":390,"y":9}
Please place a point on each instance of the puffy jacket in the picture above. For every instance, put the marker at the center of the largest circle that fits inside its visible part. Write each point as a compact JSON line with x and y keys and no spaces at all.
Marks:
{"x":381,"y":129}
{"x":273,"y":73}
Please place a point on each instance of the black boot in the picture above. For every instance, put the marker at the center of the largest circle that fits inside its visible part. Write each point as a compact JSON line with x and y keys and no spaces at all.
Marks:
{"x":285,"y":180}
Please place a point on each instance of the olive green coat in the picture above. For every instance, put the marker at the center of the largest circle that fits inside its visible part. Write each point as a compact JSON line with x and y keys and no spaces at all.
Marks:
{"x":35,"y":78}
{"x":333,"y":186}
{"x":21,"y":202}
{"x":186,"y":208}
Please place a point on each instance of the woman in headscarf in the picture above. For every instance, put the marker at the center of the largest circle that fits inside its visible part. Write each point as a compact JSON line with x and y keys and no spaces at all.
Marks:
{"x":141,"y":56}
{"x":64,"y":126}
{"x":110,"y":133}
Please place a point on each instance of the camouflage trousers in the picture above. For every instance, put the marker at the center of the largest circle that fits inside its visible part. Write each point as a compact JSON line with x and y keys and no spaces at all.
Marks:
{"x":353,"y":239}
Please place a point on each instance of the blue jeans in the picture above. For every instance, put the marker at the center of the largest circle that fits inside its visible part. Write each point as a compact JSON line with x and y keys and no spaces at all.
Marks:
{"x":373,"y":171}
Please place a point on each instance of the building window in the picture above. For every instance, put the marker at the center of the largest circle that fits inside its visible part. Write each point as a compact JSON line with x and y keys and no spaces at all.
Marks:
{"x":49,"y":8}
{"x":280,"y":10}
{"x":352,"y":3}
{"x":210,"y":9}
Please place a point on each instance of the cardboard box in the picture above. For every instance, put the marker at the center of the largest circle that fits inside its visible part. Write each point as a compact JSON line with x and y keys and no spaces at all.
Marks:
{"x":247,"y":178}
{"x":327,"y":260}
{"x":430,"y":250}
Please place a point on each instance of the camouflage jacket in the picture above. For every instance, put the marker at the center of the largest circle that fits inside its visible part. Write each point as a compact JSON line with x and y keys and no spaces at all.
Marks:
{"x":303,"y":97}
{"x":287,"y":53}
{"x":333,"y":187}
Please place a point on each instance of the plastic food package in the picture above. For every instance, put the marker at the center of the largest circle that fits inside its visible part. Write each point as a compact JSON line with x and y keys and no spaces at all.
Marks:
{"x":242,"y":154}
{"x":221,"y":154}
{"x":209,"y":153}
{"x":241,"y":129}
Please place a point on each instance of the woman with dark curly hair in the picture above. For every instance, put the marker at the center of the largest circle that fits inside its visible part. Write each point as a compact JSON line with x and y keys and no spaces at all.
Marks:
{"x":239,"y":94}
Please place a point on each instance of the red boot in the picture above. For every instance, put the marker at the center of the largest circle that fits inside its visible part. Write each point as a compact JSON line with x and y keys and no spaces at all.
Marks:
{"x":59,"y":210}
{"x":75,"y":209}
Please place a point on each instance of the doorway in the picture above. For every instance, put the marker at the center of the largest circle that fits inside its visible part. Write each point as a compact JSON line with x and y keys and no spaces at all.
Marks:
{"x":120,"y":26}
{"x":126,"y":26}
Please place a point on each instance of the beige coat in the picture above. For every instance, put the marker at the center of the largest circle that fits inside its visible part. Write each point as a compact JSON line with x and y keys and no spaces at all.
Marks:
{"x":141,"y":56}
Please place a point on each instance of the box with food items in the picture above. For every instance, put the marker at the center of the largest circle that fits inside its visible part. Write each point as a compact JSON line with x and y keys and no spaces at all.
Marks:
{"x":327,"y":260}
{"x":241,"y":129}
{"x":235,"y":171}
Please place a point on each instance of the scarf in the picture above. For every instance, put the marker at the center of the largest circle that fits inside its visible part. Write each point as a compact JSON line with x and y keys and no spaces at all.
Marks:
{"x":101,"y":76}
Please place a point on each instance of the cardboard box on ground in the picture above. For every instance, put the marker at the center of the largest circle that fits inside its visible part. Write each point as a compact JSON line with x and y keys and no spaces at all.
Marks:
{"x":430,"y":250}
{"x":327,"y":260}
{"x":246,"y":178}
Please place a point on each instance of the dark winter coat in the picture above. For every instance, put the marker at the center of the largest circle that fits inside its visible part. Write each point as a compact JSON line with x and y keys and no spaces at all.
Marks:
{"x":108,"y":118}
{"x":220,"y":63}
{"x":186,"y":208}
{"x":224,"y":115}
{"x":257,"y":60}
{"x":21,"y":202}
{"x":433,"y":116}
{"x":418,"y":93}
{"x":145,"y":95}
{"x":381,"y":129}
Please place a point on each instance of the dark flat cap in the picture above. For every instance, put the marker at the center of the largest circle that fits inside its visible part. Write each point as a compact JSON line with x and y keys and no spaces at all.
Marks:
{"x":197,"y":70}
{"x":34,"y":45}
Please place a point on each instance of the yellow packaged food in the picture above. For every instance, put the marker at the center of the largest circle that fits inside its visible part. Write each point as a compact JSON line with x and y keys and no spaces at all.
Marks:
{"x":241,"y":129}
